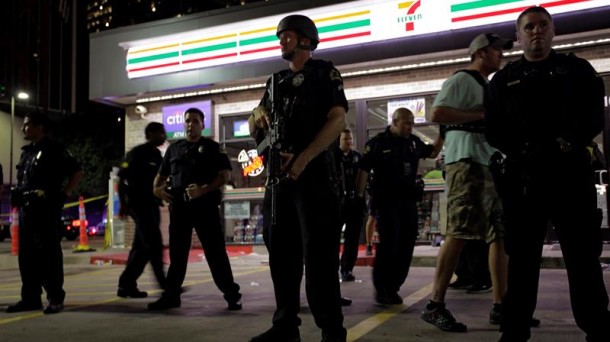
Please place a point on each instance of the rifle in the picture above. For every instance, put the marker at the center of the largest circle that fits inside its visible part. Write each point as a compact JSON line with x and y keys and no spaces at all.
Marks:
{"x":271,"y":146}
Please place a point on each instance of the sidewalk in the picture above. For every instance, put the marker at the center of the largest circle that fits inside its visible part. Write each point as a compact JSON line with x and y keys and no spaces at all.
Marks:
{"x":423,"y":256}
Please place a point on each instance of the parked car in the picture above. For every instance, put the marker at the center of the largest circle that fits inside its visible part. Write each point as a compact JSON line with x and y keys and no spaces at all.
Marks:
{"x":70,"y":227}
{"x":98,"y":229}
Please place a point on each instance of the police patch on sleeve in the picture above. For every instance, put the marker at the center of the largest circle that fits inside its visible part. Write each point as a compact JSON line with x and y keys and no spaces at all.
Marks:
{"x":367,"y":149}
{"x":335,"y":75}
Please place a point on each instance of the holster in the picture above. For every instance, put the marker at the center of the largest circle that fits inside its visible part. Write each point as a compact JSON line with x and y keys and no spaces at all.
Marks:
{"x":497,"y":167}
{"x":418,"y":190}
{"x":17,"y":199}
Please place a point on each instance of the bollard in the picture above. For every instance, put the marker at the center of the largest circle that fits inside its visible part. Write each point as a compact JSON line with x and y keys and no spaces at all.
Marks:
{"x":15,"y":231}
{"x":83,"y":245}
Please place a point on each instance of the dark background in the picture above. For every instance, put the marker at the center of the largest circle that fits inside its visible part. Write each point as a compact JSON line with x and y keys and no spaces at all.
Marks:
{"x":44,"y":48}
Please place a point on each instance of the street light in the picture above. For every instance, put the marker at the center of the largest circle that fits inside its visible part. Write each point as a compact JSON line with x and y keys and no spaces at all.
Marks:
{"x":22,"y":96}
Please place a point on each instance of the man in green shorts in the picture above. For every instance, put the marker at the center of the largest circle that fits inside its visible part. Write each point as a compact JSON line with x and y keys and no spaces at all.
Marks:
{"x":473,"y":207}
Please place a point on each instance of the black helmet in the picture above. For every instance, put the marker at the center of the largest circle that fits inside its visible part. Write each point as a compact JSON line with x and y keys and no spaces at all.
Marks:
{"x":301,"y":24}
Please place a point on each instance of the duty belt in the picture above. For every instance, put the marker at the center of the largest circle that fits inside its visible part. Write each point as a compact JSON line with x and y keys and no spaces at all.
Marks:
{"x":37,"y":193}
{"x":350,"y":194}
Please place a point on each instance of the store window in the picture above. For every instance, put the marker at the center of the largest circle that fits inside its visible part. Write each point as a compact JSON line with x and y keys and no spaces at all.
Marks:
{"x":431,"y":210}
{"x":379,"y":112}
{"x":241,"y":149}
{"x":242,"y":204}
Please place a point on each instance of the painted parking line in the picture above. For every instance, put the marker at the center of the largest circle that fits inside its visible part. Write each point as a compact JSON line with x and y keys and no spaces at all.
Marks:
{"x":37,"y":314}
{"x":366,"y":326}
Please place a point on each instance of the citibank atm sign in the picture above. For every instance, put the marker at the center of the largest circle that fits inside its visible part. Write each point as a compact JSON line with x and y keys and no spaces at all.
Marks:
{"x":173,"y":118}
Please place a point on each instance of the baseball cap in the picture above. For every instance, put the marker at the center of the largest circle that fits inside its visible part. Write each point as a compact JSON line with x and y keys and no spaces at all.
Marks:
{"x":489,"y":39}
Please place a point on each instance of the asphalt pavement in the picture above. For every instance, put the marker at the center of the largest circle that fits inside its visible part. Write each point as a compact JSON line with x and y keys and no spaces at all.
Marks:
{"x":94,"y":313}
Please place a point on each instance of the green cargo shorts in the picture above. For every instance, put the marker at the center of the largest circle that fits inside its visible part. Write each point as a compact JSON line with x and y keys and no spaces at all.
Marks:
{"x":474,"y":210}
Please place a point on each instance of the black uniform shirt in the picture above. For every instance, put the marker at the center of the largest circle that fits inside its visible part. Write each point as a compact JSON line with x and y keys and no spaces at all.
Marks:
{"x":395,"y":161}
{"x":194,"y":163}
{"x":535,"y":103}
{"x":347,"y":166}
{"x":45,"y":166}
{"x":305,"y":99}
{"x":139,"y":170}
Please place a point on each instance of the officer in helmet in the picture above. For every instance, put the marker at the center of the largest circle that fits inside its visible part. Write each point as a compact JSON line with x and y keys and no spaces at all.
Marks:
{"x":309,"y":95}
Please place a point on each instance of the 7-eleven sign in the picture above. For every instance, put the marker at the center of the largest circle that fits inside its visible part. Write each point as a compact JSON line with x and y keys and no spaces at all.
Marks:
{"x":410,"y":17}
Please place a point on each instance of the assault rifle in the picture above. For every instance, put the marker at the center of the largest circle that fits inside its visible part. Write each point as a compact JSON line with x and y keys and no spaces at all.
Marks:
{"x":271,"y":147}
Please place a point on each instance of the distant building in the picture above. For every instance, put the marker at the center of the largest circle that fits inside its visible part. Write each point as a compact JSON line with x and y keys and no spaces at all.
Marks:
{"x":107,"y":14}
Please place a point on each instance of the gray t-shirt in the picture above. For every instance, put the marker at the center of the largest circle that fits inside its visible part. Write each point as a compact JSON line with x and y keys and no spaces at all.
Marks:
{"x":462,"y":91}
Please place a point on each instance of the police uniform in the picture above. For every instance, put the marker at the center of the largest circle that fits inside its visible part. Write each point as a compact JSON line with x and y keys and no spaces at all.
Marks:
{"x":307,"y":229}
{"x":138,"y":173}
{"x":41,"y":171}
{"x":353,"y":208}
{"x":395,"y":161}
{"x":542,"y":115}
{"x":196,"y":163}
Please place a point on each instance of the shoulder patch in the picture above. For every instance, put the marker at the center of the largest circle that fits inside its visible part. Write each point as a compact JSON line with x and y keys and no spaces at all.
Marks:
{"x":335,"y":75}
{"x":367,"y":149}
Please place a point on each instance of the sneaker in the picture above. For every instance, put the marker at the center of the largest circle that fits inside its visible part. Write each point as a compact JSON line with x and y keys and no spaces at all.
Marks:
{"x":369,"y":250}
{"x":164,"y":303}
{"x":460,"y":284}
{"x":276,"y":334}
{"x":388,"y":299}
{"x":233,"y":301}
{"x":53,"y":308}
{"x":442,"y":318}
{"x":346,"y":301}
{"x":347,"y":276}
{"x":131,"y":293}
{"x":534,"y":322}
{"x":479,"y":288}
{"x":21,"y":306}
{"x":234,"y":306}
{"x":495,"y":317}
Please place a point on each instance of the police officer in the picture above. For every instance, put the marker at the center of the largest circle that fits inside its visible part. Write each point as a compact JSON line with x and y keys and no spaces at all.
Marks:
{"x":542,"y":111}
{"x":313,"y":105}
{"x":197,"y":169}
{"x":394,"y":157}
{"x":41,"y":172}
{"x":136,"y":178}
{"x":353,"y":208}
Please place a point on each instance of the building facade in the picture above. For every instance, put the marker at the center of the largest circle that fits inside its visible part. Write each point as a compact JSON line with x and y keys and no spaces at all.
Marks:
{"x":391,"y":54}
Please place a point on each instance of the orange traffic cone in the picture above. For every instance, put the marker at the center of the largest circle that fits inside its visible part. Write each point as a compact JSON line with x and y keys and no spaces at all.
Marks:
{"x":15,"y":231}
{"x":84,"y":240}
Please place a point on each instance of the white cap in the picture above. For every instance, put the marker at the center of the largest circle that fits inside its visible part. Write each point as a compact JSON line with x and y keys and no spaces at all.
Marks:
{"x":489,"y":39}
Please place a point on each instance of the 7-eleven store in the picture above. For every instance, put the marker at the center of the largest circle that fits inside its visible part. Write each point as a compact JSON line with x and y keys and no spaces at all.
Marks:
{"x":391,"y":54}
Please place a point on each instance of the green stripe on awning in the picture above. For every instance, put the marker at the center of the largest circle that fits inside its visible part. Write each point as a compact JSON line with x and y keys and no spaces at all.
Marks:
{"x":153,"y":57}
{"x":480,"y":4}
{"x":209,"y":48}
{"x":258,"y":40}
{"x":323,"y":29}
{"x":345,"y":26}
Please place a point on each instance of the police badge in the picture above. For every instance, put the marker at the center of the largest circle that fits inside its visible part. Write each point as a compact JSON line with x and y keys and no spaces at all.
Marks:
{"x":297,"y":80}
